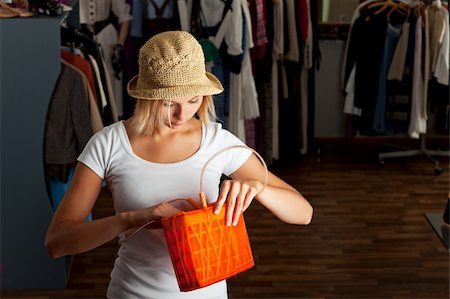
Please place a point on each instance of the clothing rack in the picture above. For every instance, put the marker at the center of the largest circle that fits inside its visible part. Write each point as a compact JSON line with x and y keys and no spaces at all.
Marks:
{"x":422,"y":151}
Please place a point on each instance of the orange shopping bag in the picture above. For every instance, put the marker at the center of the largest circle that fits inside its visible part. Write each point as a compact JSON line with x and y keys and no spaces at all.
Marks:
{"x":203,"y":249}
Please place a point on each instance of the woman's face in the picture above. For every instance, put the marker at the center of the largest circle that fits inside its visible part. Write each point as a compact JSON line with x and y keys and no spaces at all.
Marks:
{"x":178,"y":111}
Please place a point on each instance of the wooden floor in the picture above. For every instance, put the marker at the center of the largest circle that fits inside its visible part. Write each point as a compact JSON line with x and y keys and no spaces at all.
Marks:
{"x":369,"y":237}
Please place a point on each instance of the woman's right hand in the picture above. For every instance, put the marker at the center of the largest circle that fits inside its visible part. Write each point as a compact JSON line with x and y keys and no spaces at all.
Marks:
{"x":154,"y":214}
{"x":144,"y":218}
{"x":163,"y":210}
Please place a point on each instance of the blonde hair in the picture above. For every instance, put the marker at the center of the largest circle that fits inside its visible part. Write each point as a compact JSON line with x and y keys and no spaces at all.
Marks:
{"x":148,"y":114}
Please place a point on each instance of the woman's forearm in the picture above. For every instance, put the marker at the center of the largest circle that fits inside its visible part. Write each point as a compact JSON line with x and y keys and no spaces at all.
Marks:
{"x":288,"y":205}
{"x":72,"y":237}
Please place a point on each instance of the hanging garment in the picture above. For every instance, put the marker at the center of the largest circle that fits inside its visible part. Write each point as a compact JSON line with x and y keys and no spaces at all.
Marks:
{"x":277,"y":52}
{"x":399,"y":93}
{"x":308,"y":52}
{"x":379,"y":119}
{"x":215,"y":19}
{"x":97,"y":17}
{"x":260,"y":29}
{"x":159,"y":16}
{"x":243,"y":96}
{"x":441,"y":69}
{"x":223,"y":21}
{"x":68,"y":126}
{"x":397,"y":66}
{"x":108,"y":36}
{"x":418,"y":122}
{"x":96,"y":119}
{"x":292,"y":51}
{"x":348,"y":63}
{"x":369,"y":36}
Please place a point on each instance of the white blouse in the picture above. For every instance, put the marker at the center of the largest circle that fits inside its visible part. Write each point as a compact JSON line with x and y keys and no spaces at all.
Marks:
{"x":92,"y":11}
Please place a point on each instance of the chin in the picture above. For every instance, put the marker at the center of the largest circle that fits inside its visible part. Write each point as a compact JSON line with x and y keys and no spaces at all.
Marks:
{"x":176,"y":126}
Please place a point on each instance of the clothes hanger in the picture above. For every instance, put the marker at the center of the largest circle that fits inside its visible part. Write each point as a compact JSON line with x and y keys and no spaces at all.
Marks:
{"x":400,"y":7}
{"x":385,"y":4}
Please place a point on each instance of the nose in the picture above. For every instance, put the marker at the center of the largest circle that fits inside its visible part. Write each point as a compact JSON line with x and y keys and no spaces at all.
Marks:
{"x":179,"y":113}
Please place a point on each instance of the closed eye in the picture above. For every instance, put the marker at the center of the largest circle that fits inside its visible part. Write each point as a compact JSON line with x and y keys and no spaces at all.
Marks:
{"x":194,"y":100}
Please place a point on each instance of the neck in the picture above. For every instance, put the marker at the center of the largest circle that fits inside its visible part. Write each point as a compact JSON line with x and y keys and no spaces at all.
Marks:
{"x":168,"y":131}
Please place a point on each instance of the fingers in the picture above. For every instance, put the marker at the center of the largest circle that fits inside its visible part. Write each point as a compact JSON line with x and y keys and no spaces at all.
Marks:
{"x":232,"y":202}
{"x":164,"y":210}
{"x":248,"y":198}
{"x":239,"y":204}
{"x":228,"y":193}
{"x":238,"y":195}
{"x":150,"y":218}
{"x":223,"y":192}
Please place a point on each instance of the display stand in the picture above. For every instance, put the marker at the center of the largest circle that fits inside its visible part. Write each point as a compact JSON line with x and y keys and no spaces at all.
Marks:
{"x":442,"y":230}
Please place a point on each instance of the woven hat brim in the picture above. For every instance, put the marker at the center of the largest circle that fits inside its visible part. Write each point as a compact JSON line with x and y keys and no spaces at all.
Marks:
{"x":210,"y":86}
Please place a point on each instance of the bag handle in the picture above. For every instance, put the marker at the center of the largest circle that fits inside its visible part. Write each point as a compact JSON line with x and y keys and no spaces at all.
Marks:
{"x":266,"y":178}
{"x":202,"y":194}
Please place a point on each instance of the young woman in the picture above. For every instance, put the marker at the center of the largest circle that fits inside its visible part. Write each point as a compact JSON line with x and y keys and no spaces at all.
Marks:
{"x":157,"y":156}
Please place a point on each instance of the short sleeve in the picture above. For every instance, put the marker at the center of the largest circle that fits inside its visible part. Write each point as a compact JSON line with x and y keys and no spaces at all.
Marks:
{"x":234,"y":157}
{"x":94,"y":153}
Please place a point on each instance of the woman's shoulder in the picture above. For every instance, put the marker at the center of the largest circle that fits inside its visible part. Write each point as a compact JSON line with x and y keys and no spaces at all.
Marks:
{"x":109,"y":132}
{"x":106,"y":140}
{"x":217,"y":133}
{"x":215,"y":128}
{"x":213,"y":125}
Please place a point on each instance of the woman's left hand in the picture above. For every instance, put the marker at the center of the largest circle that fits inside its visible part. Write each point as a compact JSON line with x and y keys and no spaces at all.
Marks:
{"x":238,"y":194}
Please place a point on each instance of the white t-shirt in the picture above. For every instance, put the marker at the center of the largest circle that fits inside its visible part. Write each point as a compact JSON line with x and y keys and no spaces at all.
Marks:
{"x":143,"y":268}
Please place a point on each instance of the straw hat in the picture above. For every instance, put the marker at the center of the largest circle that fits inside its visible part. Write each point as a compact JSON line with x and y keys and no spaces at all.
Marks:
{"x":172,"y":65}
